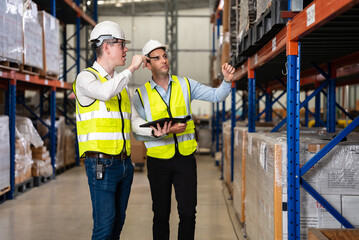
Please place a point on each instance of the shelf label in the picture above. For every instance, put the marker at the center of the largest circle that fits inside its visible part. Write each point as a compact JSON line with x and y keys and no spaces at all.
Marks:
{"x":46,"y":82}
{"x":274,"y":44}
{"x":27,"y":77}
{"x":311,"y":15}
{"x":0,"y":73}
{"x":256,"y":59}
{"x":62,"y":84}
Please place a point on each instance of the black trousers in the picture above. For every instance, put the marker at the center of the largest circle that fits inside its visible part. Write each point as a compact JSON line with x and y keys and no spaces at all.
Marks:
{"x":181,"y":171}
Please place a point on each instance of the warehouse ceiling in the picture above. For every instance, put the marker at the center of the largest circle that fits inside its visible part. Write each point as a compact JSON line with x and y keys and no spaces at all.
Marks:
{"x":126,"y":7}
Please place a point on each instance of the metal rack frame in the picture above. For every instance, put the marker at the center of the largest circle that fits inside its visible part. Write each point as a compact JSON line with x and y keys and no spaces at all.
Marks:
{"x":12,"y":80}
{"x":315,"y":15}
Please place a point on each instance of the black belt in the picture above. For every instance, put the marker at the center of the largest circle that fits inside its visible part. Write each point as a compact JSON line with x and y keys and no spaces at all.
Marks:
{"x":107,"y":156}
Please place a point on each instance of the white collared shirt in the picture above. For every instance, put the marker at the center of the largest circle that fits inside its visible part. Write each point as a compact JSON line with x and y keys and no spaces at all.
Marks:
{"x":89,"y":89}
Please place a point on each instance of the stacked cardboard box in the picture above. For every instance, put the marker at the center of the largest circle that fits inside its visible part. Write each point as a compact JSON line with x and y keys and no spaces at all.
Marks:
{"x":41,"y":165}
{"x":227,"y":165}
{"x":69,"y":147}
{"x":26,"y":135}
{"x":5,"y":153}
{"x":335,"y":177}
{"x":50,"y":43}
{"x":138,"y":151}
{"x":239,"y":168}
{"x":11,"y":30}
{"x":32,"y":36}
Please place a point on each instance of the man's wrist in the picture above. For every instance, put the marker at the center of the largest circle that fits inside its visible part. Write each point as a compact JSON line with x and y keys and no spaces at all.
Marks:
{"x":226,"y":80}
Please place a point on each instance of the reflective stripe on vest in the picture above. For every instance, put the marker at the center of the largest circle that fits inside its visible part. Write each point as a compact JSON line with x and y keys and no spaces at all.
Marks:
{"x":179,"y":106}
{"x":104,"y":126}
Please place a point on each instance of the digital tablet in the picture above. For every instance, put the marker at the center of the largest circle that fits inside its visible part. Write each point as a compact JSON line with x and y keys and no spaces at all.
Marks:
{"x":163,"y":120}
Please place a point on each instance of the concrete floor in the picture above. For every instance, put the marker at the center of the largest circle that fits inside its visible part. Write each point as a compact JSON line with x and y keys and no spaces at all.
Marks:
{"x":61,"y":209}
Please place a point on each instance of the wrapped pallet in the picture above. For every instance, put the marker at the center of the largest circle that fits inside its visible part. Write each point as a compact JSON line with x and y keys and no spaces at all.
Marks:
{"x":26,"y":135}
{"x":239,"y":169}
{"x":335,"y":176}
{"x":5,"y":153}
{"x":50,"y":43}
{"x":41,"y":165}
{"x":70,"y":154}
{"x":2,"y":29}
{"x":227,"y":165}
{"x":11,"y":33}
{"x":32,"y":37}
{"x":247,"y":16}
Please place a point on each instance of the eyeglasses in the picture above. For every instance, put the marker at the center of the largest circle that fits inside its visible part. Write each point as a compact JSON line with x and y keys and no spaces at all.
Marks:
{"x":157,"y":58}
{"x":123,"y":44}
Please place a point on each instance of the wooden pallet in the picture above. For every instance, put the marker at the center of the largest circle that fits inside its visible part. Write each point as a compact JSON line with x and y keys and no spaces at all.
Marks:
{"x":333,"y":234}
{"x":5,"y":190}
{"x":9,"y":65}
{"x":24,"y":186}
{"x":30,"y":70}
{"x":38,"y":181}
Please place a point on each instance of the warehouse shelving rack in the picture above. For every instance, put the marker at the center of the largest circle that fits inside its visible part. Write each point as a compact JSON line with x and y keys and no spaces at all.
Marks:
{"x":326,"y":31}
{"x":68,"y":12}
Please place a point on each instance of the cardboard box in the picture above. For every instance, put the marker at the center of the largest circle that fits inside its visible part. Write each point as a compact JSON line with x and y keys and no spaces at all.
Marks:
{"x":138,"y":150}
{"x":350,"y":209}
{"x":266,"y":187}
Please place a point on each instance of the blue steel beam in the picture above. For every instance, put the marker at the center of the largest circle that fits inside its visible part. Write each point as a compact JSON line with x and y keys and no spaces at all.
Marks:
{"x":53,"y":8}
{"x":331,"y":118}
{"x":32,"y":112}
{"x":340,"y":107}
{"x":217,"y":130}
{"x":316,"y":91}
{"x":317,"y":111}
{"x":251,"y":104}
{"x":325,"y":204}
{"x":12,"y":122}
{"x":293,"y":118}
{"x":53,"y":129}
{"x":306,"y":116}
{"x":329,"y":146}
{"x":268,"y":108}
{"x":281,"y":82}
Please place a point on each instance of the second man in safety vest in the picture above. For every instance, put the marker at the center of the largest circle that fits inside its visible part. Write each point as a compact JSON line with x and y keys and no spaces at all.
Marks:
{"x":170,"y":158}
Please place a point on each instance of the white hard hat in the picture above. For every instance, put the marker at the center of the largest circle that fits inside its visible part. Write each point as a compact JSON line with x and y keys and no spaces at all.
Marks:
{"x":106,"y":30}
{"x":152,"y":45}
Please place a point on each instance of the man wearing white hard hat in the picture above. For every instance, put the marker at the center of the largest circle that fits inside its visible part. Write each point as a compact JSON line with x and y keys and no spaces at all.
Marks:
{"x":170,"y":158}
{"x":103,"y":116}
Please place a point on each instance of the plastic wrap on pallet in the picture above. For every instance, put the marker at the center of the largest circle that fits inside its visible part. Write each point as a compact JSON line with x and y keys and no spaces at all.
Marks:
{"x":263,"y":5}
{"x":11,"y":31}
{"x":2,"y":28}
{"x":61,"y":143}
{"x":32,"y":36}
{"x":247,"y":16}
{"x":227,"y":156}
{"x":41,"y":168}
{"x":51,"y":43}
{"x":239,"y":162}
{"x":28,"y":131}
{"x":5,"y":152}
{"x":337,"y":174}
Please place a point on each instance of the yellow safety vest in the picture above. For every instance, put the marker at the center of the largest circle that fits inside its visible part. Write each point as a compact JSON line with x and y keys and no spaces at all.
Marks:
{"x":179,"y":106}
{"x":104,"y":126}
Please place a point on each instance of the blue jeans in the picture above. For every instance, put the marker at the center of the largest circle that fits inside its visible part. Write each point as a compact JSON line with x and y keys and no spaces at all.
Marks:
{"x":109,"y":196}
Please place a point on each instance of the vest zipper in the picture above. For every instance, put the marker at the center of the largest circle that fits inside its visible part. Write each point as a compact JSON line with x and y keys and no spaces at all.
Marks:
{"x":170,"y":114}
{"x":123,"y":122}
